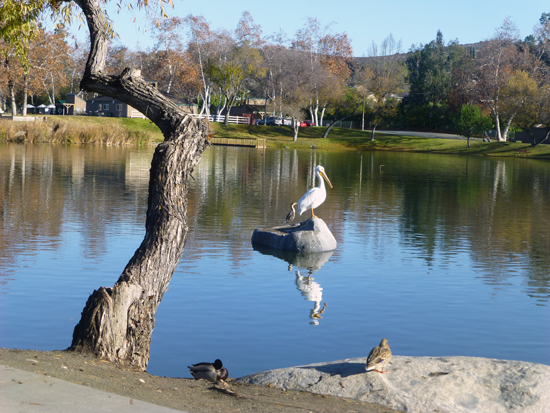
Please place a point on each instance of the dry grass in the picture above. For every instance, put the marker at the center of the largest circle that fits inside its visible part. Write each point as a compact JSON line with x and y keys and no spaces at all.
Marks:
{"x":68,"y":131}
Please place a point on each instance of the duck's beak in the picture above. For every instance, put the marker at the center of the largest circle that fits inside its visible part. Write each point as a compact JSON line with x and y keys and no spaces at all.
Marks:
{"x":324,"y":175}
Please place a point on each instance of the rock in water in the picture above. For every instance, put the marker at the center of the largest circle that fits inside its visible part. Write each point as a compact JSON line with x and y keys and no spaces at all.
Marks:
{"x":312,"y":235}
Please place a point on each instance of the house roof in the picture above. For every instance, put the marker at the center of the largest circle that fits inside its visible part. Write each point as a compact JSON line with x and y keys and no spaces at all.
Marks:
{"x":250,"y":108}
{"x":103,"y":99}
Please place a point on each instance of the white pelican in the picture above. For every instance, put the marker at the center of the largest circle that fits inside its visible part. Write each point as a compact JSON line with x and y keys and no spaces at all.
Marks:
{"x":316,"y":195}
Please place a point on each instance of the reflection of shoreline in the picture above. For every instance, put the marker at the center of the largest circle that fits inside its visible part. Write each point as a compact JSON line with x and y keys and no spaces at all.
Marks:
{"x":311,"y":291}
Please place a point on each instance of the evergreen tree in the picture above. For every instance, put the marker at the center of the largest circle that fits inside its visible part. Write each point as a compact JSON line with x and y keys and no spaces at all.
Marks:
{"x":429,"y":77}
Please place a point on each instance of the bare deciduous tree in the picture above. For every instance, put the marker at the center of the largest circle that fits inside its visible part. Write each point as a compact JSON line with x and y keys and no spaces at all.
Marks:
{"x":384,"y":78}
{"x":329,"y":56}
{"x":496,"y":62}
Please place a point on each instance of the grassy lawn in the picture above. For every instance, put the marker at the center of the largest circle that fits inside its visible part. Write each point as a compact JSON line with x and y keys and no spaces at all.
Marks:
{"x":352,"y":139}
{"x":339,"y":138}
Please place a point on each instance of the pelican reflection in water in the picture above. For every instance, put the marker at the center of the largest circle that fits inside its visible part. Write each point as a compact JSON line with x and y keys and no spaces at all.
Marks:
{"x":312,"y":198}
{"x":311,"y":291}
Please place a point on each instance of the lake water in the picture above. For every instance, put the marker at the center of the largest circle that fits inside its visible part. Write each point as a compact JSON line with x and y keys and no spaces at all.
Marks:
{"x":443,"y":255}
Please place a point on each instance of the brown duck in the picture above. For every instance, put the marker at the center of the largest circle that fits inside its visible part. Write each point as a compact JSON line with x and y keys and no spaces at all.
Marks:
{"x":379,"y":357}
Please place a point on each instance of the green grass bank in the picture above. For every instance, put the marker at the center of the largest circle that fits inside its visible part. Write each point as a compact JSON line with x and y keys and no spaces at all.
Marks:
{"x":124,"y":131}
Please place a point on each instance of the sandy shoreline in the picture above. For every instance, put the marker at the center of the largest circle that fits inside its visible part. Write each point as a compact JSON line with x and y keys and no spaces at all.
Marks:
{"x":176,"y":393}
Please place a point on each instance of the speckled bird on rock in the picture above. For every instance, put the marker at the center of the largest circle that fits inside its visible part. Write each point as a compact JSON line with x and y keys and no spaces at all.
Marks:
{"x":379,"y":357}
{"x":292,"y":213}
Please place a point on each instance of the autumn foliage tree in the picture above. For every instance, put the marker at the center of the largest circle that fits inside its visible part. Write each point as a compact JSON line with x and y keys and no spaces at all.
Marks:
{"x":329,"y":56}
{"x":233,"y":70}
{"x":276,"y":59}
{"x":18,"y":27}
{"x":238,"y":62}
{"x":11,"y":71}
{"x":49,"y":59}
{"x":171,"y":65}
{"x":202,"y":47}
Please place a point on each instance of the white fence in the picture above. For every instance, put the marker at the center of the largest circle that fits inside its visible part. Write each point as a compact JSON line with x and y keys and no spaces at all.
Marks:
{"x":239,"y":120}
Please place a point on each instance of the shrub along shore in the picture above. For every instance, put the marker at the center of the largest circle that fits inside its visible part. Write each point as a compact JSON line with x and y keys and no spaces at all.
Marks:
{"x":140,"y":132}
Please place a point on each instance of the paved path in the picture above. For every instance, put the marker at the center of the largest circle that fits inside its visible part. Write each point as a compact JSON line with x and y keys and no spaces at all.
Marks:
{"x":25,"y":392}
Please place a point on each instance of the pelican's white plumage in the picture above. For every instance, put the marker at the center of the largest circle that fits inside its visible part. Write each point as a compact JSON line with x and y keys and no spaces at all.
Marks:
{"x":316,"y":195}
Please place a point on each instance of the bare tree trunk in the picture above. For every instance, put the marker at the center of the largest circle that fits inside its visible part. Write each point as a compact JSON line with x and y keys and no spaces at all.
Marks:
{"x":507,"y":127}
{"x":220,"y":106}
{"x":230,"y":101}
{"x":498,"y":135}
{"x":117,"y":322}
{"x":363,"y":115}
{"x":25,"y":92}
{"x":322,"y":116}
{"x":11,"y":88}
{"x":295,"y":128}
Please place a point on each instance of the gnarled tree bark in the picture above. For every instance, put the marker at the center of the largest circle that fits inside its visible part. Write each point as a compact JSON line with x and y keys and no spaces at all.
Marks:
{"x":117,"y":322}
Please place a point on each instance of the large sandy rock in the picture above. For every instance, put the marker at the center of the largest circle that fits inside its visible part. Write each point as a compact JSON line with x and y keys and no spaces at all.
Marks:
{"x":312,"y":235}
{"x":425,"y":384}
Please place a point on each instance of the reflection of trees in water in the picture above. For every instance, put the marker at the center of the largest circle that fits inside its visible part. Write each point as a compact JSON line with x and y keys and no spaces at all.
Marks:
{"x":31,"y":200}
{"x":499,"y":209}
{"x":496,"y":210}
{"x":538,"y":282}
{"x":41,"y":185}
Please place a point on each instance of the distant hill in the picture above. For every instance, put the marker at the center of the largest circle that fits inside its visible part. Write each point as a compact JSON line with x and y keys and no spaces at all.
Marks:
{"x":403,"y":56}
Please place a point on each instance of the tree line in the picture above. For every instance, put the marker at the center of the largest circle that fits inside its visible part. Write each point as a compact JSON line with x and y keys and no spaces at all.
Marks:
{"x":501,"y":83}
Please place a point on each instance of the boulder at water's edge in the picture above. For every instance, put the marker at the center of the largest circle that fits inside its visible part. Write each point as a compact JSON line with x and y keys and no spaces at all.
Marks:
{"x":424,"y":384}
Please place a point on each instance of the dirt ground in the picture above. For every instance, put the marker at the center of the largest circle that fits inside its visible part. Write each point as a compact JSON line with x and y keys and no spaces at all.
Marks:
{"x":190,"y":395}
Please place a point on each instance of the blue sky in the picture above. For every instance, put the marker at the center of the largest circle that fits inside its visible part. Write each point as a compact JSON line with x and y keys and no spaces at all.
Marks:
{"x":365,"y":21}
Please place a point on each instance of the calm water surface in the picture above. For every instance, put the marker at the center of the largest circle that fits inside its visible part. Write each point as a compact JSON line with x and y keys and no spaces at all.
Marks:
{"x":442,"y":255}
